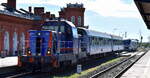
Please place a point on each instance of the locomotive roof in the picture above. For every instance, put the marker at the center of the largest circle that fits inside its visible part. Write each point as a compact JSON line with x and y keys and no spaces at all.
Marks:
{"x":39,"y":30}
{"x":56,"y":23}
{"x":134,"y":40}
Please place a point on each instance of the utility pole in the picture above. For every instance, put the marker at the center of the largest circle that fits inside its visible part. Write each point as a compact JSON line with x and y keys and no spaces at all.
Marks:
{"x":125,"y":35}
{"x":141,"y":37}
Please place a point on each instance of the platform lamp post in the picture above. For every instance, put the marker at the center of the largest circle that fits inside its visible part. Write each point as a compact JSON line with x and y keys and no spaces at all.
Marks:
{"x":141,"y":38}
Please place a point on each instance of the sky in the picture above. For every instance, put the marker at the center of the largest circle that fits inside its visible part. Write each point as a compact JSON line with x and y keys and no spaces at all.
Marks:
{"x":110,"y":16}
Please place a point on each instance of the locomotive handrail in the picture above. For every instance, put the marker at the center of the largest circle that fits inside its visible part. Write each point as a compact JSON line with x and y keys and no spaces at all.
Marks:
{"x":66,"y":44}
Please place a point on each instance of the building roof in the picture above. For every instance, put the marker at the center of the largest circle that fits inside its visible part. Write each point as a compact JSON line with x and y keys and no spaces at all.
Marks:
{"x":144,"y":9}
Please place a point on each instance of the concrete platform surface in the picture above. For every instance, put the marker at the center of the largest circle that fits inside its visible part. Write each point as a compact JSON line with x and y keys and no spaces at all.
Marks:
{"x":8,"y":61}
{"x":141,"y":69}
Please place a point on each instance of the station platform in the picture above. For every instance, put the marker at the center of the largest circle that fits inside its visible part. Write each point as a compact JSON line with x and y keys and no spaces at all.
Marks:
{"x":8,"y":61}
{"x":141,"y":69}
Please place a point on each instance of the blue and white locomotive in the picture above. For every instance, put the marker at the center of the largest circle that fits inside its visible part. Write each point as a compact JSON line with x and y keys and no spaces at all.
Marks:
{"x":61,"y":43}
{"x":131,"y":44}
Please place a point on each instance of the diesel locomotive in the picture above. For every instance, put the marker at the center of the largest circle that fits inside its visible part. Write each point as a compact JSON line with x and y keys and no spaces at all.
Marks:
{"x":61,"y":43}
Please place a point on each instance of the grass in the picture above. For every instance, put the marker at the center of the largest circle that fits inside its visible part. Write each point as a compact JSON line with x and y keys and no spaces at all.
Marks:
{"x":76,"y":75}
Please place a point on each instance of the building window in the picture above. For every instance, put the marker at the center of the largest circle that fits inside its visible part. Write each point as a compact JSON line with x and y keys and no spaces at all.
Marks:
{"x":79,"y":21}
{"x":22,"y":43}
{"x":73,"y":19}
{"x":6,"y":42}
{"x":15,"y":42}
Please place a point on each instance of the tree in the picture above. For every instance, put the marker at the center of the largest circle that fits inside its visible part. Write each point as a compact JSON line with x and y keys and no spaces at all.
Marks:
{"x":149,"y":39}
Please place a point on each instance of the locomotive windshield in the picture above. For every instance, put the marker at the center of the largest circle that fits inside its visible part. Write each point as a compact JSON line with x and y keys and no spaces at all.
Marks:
{"x":54,"y":28}
{"x":126,"y":42}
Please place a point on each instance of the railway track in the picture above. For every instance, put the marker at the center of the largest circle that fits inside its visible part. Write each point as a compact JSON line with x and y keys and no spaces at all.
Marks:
{"x":116,"y":70}
{"x":16,"y":73}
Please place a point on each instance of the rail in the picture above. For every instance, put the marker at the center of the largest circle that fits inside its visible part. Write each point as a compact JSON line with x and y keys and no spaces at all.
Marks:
{"x":116,"y":70}
{"x":126,"y":68}
{"x":18,"y":73}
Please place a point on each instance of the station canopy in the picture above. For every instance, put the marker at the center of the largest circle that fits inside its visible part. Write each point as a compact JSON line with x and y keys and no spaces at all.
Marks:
{"x":144,"y":9}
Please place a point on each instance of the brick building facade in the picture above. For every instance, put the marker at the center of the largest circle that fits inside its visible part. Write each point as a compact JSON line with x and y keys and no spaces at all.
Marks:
{"x":13,"y":32}
{"x":13,"y":29}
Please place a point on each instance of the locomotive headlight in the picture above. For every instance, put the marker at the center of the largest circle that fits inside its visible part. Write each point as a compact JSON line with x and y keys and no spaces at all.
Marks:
{"x":29,"y":52}
{"x":48,"y":52}
{"x":39,"y":34}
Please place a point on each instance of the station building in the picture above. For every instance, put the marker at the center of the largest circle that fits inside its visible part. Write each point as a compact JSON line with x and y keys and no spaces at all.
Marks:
{"x":14,"y":24}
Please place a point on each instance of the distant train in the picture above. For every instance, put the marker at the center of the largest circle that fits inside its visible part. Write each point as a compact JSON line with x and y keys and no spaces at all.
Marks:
{"x":131,"y":44}
{"x":61,"y":43}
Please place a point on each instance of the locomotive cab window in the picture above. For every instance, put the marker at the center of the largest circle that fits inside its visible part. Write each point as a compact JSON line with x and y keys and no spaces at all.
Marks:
{"x":54,"y":28}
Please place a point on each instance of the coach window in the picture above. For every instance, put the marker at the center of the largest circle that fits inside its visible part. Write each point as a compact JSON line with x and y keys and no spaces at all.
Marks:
{"x":104,"y":42}
{"x":114,"y":42}
{"x":73,"y":19}
{"x":118,"y":42}
{"x":110,"y":41}
{"x":62,"y":29}
{"x":97,"y":41}
{"x":51,"y":28}
{"x":100,"y":40}
{"x":56,"y":28}
{"x":92,"y":40}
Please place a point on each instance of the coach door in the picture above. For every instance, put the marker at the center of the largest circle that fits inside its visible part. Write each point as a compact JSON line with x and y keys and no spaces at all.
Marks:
{"x":42,"y":43}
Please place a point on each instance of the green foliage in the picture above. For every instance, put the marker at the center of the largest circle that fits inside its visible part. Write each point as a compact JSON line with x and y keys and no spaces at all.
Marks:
{"x":145,"y":45}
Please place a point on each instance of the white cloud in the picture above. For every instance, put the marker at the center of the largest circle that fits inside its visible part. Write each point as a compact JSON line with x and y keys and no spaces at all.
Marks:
{"x":114,"y":8}
{"x":2,"y":1}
